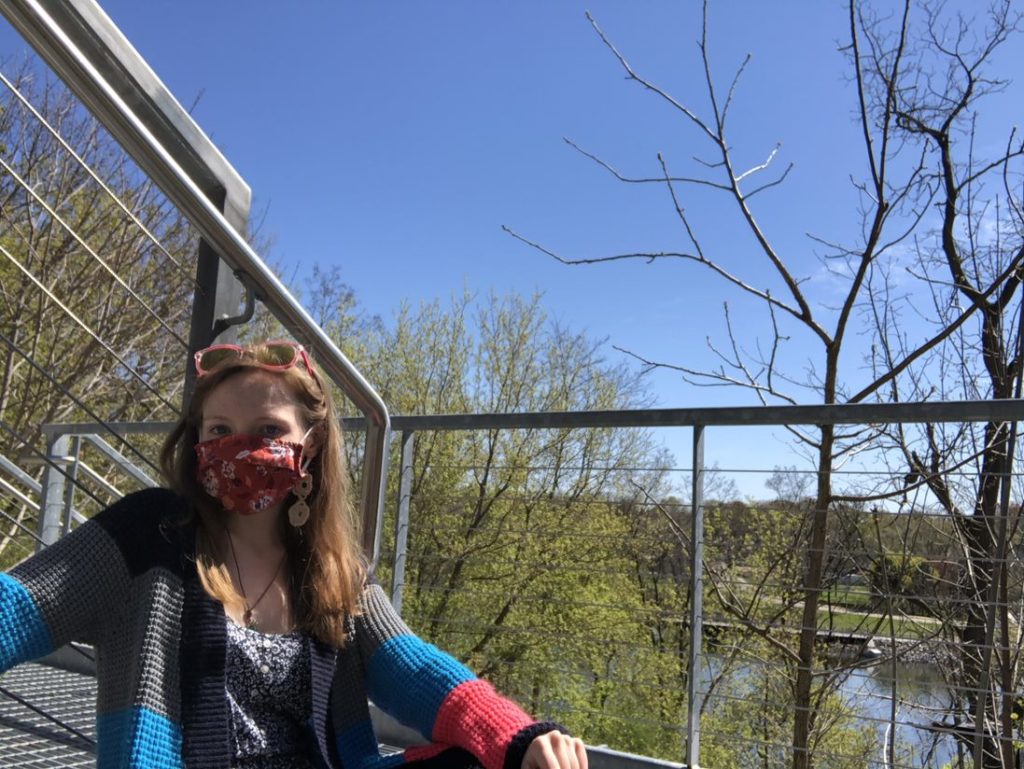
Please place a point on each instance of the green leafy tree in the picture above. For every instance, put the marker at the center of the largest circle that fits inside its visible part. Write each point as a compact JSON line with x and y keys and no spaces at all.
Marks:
{"x":533,"y":554}
{"x":902,"y":576}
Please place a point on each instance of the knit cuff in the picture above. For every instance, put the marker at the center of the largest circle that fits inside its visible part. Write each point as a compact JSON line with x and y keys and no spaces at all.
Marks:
{"x":517,"y":746}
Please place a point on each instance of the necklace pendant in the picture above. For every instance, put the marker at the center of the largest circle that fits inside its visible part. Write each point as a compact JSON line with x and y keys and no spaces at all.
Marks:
{"x":248,"y":620}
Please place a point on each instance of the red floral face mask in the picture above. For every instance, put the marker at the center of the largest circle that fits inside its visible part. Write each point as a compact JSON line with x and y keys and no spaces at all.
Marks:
{"x":249,"y":473}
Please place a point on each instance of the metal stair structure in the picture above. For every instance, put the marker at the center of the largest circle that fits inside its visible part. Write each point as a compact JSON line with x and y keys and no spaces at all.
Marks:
{"x":47,"y":718}
{"x":47,"y":712}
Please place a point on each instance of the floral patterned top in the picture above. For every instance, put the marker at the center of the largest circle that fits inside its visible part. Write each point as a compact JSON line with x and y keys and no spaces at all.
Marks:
{"x":268,"y":690}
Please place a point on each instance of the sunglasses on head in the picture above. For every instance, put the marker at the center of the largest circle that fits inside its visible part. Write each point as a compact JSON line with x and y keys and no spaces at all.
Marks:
{"x":275,"y":355}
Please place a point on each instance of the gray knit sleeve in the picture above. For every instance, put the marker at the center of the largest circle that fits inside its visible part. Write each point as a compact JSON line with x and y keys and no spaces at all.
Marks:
{"x":78,"y":584}
{"x":70,"y":591}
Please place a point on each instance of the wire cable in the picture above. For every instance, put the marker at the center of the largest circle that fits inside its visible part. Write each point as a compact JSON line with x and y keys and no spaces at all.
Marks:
{"x":85,"y":166}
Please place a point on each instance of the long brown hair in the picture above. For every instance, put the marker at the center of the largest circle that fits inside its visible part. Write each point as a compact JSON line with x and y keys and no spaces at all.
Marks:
{"x":325,"y":561}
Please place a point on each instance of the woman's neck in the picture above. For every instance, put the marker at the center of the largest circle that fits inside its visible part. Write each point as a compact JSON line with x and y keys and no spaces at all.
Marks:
{"x":255,"y":556}
{"x":257,"y":533}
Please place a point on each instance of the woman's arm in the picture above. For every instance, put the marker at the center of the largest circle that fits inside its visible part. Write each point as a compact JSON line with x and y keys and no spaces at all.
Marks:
{"x":440,"y":697}
{"x":75,"y":587}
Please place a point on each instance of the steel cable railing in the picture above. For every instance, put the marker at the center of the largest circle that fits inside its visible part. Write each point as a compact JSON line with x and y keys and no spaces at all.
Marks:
{"x":42,"y":458}
{"x":20,"y":497}
{"x":137,"y":455}
{"x":78,"y":239}
{"x":96,"y":178}
{"x":38,"y":22}
{"x":84,"y":326}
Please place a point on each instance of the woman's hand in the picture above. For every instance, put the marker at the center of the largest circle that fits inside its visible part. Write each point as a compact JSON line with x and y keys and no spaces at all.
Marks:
{"x":555,"y":750}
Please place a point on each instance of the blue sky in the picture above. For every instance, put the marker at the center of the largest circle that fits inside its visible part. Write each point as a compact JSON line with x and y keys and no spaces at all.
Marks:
{"x":394,"y":139}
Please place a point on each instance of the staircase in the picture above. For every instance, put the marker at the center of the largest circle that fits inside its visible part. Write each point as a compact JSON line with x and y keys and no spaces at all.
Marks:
{"x":63,"y":737}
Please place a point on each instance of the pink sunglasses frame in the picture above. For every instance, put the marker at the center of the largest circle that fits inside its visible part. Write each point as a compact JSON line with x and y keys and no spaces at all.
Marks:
{"x":299,"y":354}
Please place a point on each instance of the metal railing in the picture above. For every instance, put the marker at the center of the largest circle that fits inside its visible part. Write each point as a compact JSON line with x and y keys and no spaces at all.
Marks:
{"x":97,"y":62}
{"x":525,"y":566}
{"x":122,"y":250}
{"x":853,"y":618}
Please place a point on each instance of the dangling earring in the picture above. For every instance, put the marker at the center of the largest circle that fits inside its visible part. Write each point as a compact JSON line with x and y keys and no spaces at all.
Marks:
{"x":298,"y":513}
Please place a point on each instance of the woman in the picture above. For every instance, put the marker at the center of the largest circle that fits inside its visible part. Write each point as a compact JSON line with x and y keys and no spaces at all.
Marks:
{"x":233,"y":618}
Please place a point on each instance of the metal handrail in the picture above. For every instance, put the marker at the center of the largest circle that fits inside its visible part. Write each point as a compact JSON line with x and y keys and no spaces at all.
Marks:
{"x":934,"y":412}
{"x":995,"y":410}
{"x":14,"y":471}
{"x":35,"y":21}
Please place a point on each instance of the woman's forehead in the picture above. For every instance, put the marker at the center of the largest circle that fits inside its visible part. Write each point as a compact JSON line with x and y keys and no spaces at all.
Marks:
{"x":250,"y":389}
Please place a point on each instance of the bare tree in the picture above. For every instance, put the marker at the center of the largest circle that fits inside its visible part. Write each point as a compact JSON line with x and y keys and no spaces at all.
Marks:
{"x":919,"y":78}
{"x":969,"y":257}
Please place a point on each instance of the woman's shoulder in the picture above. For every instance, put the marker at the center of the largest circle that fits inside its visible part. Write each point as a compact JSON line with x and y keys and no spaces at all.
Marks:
{"x":147,"y":519}
{"x":146,"y":507}
{"x":132,"y":530}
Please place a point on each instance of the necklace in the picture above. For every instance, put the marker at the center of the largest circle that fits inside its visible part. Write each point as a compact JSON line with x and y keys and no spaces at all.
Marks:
{"x":247,"y":617}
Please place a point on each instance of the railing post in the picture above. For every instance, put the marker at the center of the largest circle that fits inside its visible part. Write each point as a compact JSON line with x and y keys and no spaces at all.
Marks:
{"x":217,"y":296}
{"x":69,"y":488}
{"x":375,"y":483}
{"x":402,"y":520}
{"x":695,"y":672}
{"x":51,"y":508}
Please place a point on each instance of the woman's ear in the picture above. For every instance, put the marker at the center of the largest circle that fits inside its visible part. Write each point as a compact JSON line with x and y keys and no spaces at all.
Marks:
{"x":314,"y":441}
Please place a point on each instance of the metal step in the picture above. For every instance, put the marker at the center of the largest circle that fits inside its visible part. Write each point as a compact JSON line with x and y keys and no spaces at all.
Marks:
{"x":29,"y":740}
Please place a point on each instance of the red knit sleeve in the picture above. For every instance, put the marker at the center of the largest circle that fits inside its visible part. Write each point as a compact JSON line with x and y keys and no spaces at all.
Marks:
{"x":475,"y":717}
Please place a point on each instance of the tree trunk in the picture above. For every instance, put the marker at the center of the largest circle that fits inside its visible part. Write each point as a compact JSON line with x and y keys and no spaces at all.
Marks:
{"x":981,"y":529}
{"x":803,"y":720}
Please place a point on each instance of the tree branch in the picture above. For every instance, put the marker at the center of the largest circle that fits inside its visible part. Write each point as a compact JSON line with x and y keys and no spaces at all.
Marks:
{"x":642,"y":180}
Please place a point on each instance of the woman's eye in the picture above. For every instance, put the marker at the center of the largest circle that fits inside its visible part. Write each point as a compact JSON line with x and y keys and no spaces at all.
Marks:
{"x":218,"y":430}
{"x":272,"y":430}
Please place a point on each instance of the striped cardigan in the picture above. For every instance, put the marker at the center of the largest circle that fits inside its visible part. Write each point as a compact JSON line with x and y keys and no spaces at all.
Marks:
{"x":126,"y":582}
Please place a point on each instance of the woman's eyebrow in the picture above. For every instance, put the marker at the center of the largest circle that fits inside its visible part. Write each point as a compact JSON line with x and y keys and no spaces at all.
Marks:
{"x":268,"y":416}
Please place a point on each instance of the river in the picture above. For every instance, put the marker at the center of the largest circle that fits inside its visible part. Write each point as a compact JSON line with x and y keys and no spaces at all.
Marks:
{"x":921,"y":697}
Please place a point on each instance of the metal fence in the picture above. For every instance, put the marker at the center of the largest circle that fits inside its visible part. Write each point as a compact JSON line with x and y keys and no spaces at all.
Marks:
{"x":656,"y":611}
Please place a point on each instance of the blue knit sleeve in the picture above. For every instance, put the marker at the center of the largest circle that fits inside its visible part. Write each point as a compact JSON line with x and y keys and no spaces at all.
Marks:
{"x":70,"y":591}
{"x":24,"y":634}
{"x":406,"y":677}
{"x":431,"y":691}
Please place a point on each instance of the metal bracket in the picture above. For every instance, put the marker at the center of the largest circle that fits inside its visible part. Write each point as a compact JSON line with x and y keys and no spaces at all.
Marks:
{"x":252,"y":293}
